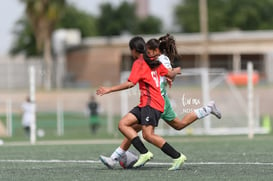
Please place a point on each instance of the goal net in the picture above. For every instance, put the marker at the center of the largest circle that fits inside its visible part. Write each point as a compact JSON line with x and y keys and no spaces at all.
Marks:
{"x":195,"y":88}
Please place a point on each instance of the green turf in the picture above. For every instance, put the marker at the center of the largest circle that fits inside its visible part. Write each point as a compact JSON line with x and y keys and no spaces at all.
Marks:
{"x":226,"y":151}
{"x":76,"y":126}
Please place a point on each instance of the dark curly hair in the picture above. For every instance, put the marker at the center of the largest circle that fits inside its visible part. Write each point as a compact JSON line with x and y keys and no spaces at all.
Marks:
{"x":167,"y":46}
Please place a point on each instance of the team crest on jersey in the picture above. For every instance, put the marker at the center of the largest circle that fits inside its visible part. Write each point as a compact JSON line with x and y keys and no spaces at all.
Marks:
{"x":147,"y":118}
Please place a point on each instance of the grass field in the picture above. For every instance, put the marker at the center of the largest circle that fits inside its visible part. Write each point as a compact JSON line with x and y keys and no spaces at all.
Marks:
{"x":209,"y":158}
{"x":76,"y":126}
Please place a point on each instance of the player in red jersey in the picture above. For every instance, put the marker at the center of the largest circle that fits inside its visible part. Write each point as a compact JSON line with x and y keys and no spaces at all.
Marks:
{"x":147,"y":73}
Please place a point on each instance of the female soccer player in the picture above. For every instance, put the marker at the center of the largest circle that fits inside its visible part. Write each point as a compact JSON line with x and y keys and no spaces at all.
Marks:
{"x":147,"y":73}
{"x":163,"y":49}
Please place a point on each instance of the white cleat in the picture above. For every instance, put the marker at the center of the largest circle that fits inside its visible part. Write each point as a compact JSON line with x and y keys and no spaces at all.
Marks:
{"x":108,"y":161}
{"x":216,"y":112}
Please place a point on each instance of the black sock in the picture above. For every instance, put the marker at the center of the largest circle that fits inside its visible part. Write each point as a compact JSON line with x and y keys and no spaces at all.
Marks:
{"x":138,"y":144}
{"x":169,"y":150}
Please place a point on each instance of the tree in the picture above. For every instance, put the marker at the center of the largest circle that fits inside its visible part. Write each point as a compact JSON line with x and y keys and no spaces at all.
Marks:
{"x":115,"y":21}
{"x":224,"y":15}
{"x":24,"y":41}
{"x":148,"y":25}
{"x":71,"y":17}
{"x":112,"y":21}
{"x":75,"y":18}
{"x":250,"y":14}
{"x":43,"y":15}
{"x":187,"y":16}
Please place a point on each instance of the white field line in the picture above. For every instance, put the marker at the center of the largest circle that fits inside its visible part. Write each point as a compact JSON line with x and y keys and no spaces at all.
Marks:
{"x":150,"y":163}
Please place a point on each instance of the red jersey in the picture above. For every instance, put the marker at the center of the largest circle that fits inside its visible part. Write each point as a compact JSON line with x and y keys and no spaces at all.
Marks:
{"x":149,"y":83}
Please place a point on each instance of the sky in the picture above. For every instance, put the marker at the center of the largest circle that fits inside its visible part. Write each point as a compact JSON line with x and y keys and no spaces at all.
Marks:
{"x":12,"y":10}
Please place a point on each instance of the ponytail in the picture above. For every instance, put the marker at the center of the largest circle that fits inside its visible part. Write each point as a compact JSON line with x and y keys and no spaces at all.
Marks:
{"x":167,"y":46}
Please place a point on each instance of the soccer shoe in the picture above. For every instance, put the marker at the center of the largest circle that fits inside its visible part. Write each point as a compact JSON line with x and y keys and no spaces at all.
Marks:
{"x":143,"y":158}
{"x":214,"y":110}
{"x":178,"y":162}
{"x":108,"y":161}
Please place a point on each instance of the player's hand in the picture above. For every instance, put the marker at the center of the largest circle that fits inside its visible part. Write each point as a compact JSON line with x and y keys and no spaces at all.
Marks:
{"x":169,"y":82}
{"x":103,"y":90}
{"x":177,"y":70}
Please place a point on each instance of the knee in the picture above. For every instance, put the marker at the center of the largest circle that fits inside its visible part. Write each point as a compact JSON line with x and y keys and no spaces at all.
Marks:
{"x":147,"y":137}
{"x":178,"y":128}
{"x":121,"y":126}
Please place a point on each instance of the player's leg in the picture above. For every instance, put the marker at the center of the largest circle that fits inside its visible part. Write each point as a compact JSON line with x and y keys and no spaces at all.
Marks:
{"x":148,"y":119}
{"x":148,"y":126}
{"x":169,"y":116}
{"x":119,"y":153}
{"x":126,"y":143}
{"x":178,"y":124}
{"x":146,"y":155}
{"x":149,"y":135}
{"x":126,"y":128}
{"x":178,"y":158}
{"x":27,"y":130}
{"x":127,"y":121}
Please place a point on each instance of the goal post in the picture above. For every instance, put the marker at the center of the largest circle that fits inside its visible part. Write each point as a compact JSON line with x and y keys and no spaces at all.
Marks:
{"x":250,"y":97}
{"x":9,"y":117}
{"x":32,"y":91}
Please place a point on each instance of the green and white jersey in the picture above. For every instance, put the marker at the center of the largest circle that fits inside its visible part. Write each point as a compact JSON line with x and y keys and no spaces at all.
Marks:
{"x":168,"y":114}
{"x":163,"y":82}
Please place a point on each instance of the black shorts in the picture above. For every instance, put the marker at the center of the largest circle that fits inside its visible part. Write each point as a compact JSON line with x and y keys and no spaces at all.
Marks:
{"x":146,"y":115}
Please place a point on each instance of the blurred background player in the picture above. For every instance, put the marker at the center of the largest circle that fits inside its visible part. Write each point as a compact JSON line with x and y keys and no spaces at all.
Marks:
{"x":28,"y":115}
{"x":165,"y":51}
{"x":93,"y":108}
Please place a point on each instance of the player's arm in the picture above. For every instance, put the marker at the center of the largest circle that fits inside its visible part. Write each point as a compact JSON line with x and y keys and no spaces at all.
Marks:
{"x":106,"y":90}
{"x":169,"y":81}
{"x":172,"y":73}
